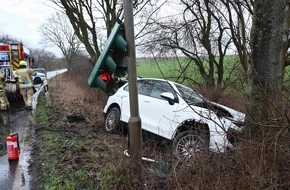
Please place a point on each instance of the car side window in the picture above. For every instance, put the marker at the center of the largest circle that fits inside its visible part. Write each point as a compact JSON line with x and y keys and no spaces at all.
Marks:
{"x":160,"y":87}
{"x":144,"y":87}
{"x":126,"y":87}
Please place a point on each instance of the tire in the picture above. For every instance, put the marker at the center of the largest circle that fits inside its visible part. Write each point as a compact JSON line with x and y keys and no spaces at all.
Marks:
{"x":189,"y":145}
{"x":37,"y":80}
{"x":112,"y":120}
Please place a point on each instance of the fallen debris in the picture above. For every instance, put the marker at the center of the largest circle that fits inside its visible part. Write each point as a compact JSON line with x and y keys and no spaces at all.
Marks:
{"x":75,"y":118}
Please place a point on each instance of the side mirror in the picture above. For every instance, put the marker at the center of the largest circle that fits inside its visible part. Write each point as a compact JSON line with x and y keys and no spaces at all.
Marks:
{"x":168,"y":96}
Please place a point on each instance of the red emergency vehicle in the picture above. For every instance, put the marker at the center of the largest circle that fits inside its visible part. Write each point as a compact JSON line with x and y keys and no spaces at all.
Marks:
{"x":10,"y":56}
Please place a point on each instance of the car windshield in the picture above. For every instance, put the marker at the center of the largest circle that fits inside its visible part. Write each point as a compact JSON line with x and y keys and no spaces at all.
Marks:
{"x":40,"y":70}
{"x":189,"y":95}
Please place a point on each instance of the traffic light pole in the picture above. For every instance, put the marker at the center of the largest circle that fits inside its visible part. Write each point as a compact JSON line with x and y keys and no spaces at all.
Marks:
{"x":135,"y":132}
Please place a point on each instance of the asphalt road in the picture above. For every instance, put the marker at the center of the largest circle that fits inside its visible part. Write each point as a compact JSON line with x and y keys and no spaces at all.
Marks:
{"x":14,"y":174}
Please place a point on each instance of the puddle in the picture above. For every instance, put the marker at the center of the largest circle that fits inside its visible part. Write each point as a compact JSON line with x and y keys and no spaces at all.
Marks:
{"x":14,"y":173}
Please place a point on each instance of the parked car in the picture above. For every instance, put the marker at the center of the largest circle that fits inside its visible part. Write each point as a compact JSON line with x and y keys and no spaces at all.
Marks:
{"x":178,"y":113}
{"x":40,"y":76}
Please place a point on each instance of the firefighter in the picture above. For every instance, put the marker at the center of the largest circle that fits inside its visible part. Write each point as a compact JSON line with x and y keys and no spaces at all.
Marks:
{"x":4,"y":103}
{"x":24,"y":77}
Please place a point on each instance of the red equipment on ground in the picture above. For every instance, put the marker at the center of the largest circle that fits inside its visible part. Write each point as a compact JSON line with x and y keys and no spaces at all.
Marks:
{"x":13,"y":149}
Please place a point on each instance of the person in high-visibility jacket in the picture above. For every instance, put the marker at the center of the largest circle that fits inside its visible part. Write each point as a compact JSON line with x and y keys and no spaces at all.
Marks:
{"x":24,"y":77}
{"x":4,"y":103}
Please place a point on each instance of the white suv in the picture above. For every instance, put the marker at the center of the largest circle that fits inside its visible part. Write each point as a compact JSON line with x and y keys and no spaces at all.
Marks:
{"x":176,"y":112}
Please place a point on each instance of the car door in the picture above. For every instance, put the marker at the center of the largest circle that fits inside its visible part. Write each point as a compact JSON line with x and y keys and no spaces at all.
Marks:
{"x":144,"y":88}
{"x":157,"y":115}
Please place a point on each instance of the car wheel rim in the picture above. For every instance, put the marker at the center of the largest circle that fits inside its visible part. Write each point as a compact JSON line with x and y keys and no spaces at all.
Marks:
{"x":111,"y":120}
{"x":189,"y":146}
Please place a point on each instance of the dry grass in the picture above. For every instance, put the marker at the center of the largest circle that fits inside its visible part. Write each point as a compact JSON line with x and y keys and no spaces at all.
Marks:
{"x":72,"y":93}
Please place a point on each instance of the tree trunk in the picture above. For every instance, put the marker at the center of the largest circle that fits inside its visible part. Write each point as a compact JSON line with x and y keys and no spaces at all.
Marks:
{"x":268,"y":49}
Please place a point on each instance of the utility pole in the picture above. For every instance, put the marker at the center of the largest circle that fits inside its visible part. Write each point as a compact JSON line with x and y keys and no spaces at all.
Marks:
{"x":135,"y":132}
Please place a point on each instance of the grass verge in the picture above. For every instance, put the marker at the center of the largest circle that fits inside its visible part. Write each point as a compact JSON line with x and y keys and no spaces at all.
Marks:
{"x":75,"y":155}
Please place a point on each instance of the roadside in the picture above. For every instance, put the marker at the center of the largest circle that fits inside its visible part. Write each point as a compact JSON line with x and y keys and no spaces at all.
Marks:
{"x":69,"y":154}
{"x":70,"y":148}
{"x":72,"y":151}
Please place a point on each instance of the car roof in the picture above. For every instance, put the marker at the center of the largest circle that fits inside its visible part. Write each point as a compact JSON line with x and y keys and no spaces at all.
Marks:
{"x":160,"y":79}
{"x":38,"y":69}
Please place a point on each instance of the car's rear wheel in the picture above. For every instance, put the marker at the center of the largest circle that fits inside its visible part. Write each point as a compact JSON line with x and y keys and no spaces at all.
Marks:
{"x":189,"y":145}
{"x":112,"y":120}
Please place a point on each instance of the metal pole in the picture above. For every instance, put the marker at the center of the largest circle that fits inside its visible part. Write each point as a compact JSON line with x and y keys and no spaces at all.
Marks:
{"x":45,"y":86}
{"x":135,"y":132}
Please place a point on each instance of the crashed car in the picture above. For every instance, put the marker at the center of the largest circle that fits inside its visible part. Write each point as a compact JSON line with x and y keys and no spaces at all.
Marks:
{"x":40,"y":76}
{"x":175,"y":112}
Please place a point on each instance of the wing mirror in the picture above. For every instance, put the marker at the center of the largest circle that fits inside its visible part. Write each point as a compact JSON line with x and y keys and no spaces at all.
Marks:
{"x":168,"y":96}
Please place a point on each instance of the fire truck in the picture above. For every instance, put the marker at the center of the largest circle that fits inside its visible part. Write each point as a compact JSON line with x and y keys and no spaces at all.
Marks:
{"x":10,"y":56}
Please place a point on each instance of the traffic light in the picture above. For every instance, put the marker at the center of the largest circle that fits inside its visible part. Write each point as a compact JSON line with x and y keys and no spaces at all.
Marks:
{"x":112,"y":62}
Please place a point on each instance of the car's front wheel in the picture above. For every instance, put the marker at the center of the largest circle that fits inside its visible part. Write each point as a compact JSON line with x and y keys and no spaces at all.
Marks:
{"x":112,"y":120}
{"x":189,"y":145}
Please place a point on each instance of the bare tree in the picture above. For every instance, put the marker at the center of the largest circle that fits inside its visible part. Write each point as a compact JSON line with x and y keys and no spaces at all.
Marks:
{"x":85,"y":19}
{"x":90,"y":19}
{"x":45,"y":59}
{"x":58,"y":31}
{"x":5,"y":38}
{"x":198,"y":32}
{"x":238,"y":16}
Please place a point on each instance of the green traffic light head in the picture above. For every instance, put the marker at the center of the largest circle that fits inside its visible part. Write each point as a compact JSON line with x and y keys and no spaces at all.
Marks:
{"x":113,"y":59}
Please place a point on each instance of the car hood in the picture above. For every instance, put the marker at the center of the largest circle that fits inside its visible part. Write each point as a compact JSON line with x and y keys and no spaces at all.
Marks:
{"x":220,"y":111}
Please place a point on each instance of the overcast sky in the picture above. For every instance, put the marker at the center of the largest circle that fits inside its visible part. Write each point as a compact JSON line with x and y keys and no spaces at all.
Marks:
{"x":22,"y":18}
